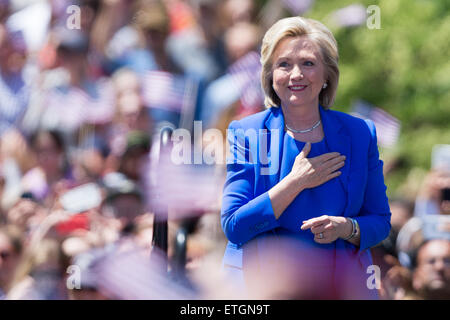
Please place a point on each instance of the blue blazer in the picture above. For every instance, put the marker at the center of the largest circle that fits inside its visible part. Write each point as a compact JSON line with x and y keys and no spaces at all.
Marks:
{"x":247,"y":216}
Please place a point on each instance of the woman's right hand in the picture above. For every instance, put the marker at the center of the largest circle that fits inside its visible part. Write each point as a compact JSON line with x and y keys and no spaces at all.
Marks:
{"x":305,"y":173}
{"x":312,"y":172}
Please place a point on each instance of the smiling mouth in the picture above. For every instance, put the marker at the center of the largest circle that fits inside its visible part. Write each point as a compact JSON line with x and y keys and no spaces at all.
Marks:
{"x":297,"y":88}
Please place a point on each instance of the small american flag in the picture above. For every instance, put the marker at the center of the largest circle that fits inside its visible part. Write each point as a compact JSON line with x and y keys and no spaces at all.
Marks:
{"x":101,"y":109}
{"x":65,"y":109}
{"x":246,"y":77}
{"x":388,"y":127}
{"x":71,"y":107}
{"x":127,"y":273}
{"x":186,"y":189}
{"x":167,"y":91}
{"x":14,"y":98}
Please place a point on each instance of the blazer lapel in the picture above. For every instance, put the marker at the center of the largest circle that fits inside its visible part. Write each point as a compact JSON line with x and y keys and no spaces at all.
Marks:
{"x":337,"y":140}
{"x":275,"y":127}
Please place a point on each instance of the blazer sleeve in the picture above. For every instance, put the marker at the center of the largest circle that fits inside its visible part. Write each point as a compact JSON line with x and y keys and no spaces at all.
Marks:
{"x":374,"y":216}
{"x":243,"y":215}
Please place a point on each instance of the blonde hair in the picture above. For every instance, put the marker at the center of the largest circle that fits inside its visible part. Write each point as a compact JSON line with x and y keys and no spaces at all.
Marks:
{"x":297,"y":27}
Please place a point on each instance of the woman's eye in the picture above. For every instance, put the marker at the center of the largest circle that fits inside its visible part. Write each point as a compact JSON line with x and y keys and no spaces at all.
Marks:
{"x":309,"y":63}
{"x":283,"y":64}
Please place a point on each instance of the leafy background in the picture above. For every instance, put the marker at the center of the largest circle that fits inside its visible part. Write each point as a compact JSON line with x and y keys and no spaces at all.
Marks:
{"x":403,"y":68}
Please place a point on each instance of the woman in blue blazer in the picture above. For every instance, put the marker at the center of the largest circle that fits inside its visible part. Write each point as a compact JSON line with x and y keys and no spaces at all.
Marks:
{"x":304,"y":198}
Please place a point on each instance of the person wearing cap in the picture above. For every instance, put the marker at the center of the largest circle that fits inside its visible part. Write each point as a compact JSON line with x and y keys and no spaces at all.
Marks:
{"x":182,"y":89}
{"x":123,"y":201}
{"x":91,"y":161}
{"x":153,"y":20}
{"x":132,"y":160}
{"x":304,"y":193}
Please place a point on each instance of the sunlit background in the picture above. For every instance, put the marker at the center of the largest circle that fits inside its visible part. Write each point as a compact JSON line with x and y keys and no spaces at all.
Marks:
{"x":86,"y":175}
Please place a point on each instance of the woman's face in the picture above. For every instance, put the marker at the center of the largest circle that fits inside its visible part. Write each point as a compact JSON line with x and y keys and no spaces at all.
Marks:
{"x":48,"y":155}
{"x":298,"y":72}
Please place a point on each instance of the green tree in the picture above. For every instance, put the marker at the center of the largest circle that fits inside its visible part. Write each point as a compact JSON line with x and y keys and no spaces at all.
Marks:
{"x":404,"y":68}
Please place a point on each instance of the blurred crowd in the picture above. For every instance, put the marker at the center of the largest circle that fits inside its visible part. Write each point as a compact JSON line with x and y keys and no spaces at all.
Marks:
{"x":85,"y":88}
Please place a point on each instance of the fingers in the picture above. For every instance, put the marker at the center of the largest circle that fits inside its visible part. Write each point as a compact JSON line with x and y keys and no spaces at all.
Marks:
{"x":328,"y":163}
{"x":305,"y":151}
{"x":333,"y":164}
{"x":333,"y":175}
{"x":321,"y":228}
{"x":334,"y":161}
{"x":324,"y":233}
{"x":317,"y":170}
{"x":325,"y":157}
{"x":322,"y":238}
{"x":314,"y":222}
{"x":335,"y":167}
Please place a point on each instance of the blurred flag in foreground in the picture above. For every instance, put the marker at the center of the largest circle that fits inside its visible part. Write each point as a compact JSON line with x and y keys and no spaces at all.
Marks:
{"x":243,"y":73}
{"x":168,"y":91}
{"x":128,"y":274}
{"x":388,"y":127}
{"x":185,"y":189}
{"x":70,"y":107}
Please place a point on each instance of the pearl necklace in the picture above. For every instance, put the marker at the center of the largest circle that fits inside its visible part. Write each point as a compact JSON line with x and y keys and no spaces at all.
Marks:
{"x":306,"y":130}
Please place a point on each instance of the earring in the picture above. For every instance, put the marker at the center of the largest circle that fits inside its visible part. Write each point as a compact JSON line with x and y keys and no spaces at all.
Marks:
{"x":325,"y":85}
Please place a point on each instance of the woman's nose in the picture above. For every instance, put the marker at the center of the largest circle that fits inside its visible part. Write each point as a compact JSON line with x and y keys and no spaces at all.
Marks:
{"x":296,"y":73}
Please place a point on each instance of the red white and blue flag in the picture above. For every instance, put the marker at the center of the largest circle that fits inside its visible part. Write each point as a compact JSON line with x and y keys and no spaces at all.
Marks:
{"x":164,"y":90}
{"x":246,"y":73}
{"x":388,"y":127}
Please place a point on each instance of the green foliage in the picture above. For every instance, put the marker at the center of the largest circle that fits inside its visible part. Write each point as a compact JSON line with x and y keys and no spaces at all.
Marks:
{"x":404,"y":68}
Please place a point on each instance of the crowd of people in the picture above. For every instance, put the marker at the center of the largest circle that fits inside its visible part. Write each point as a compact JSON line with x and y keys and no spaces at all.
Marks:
{"x":84,"y":94}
